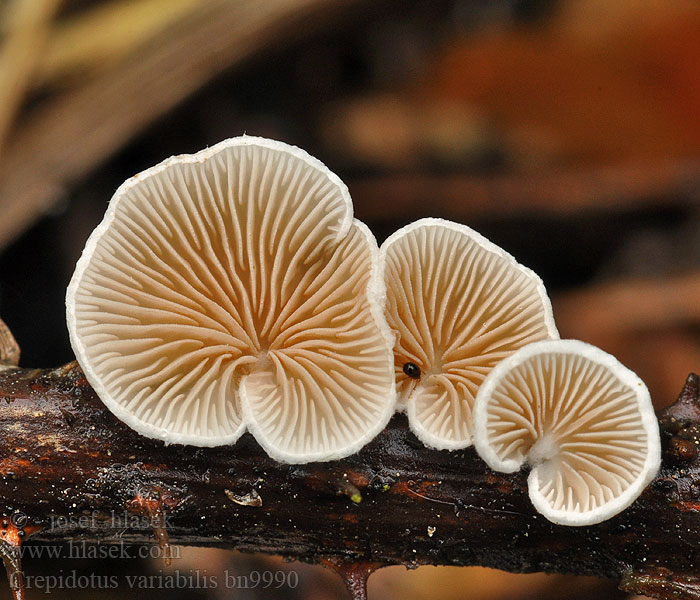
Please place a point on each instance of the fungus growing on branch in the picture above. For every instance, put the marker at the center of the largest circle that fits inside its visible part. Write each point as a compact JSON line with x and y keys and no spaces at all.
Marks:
{"x":458,"y":304}
{"x":233,"y":289}
{"x":583,"y":422}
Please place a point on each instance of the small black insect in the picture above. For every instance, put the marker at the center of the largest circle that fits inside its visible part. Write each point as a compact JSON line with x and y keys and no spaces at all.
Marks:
{"x":412,"y":370}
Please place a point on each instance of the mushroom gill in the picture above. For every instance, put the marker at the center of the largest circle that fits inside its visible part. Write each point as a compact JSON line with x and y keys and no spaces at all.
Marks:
{"x":233,"y":288}
{"x":458,"y":305}
{"x":582,"y":421}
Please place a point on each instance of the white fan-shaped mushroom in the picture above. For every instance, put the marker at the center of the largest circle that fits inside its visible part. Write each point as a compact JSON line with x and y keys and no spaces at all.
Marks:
{"x":458,"y":305}
{"x":230,"y":288}
{"x":583,"y":421}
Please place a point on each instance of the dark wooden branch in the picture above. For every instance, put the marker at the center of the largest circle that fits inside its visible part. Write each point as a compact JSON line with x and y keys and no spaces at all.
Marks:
{"x":68,"y":467}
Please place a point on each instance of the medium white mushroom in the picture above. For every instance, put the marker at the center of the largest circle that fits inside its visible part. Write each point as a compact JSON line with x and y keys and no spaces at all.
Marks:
{"x":232,"y":288}
{"x":458,"y":304}
{"x":583,"y":422}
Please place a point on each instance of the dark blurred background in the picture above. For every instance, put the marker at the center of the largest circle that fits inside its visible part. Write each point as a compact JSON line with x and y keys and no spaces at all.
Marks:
{"x":566,"y":131}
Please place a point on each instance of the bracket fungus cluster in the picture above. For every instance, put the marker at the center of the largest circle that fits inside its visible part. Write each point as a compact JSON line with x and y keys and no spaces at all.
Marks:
{"x":232,"y":289}
{"x":477,"y":357}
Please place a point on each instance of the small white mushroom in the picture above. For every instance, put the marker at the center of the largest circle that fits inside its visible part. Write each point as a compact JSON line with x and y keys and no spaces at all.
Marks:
{"x":583,"y":422}
{"x":232,"y":288}
{"x":458,"y":304}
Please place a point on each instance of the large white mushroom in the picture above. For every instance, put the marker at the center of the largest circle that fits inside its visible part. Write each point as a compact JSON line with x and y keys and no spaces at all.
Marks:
{"x":583,"y":422}
{"x":232,"y":288}
{"x":458,"y":304}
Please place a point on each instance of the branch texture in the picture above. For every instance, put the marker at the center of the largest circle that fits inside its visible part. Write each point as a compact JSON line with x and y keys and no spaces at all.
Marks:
{"x":64,"y":457}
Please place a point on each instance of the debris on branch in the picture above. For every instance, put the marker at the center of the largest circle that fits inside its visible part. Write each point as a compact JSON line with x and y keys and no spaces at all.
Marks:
{"x":67,"y":462}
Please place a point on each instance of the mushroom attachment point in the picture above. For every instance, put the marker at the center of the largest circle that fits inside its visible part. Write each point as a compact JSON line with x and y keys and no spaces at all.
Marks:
{"x":233,"y":289}
{"x":458,"y":304}
{"x":583,"y":422}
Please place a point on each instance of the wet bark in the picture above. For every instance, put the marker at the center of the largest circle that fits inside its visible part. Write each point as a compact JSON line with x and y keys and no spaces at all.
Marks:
{"x":69,"y":469}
